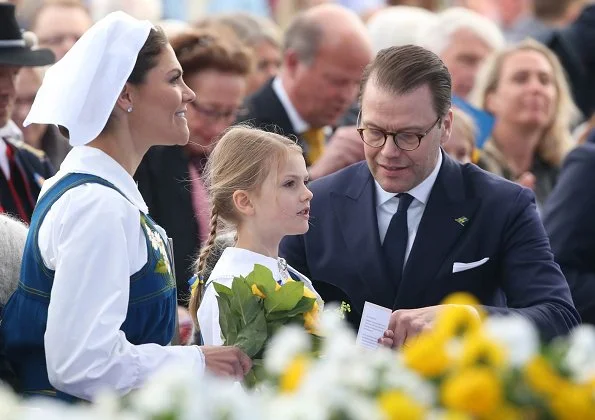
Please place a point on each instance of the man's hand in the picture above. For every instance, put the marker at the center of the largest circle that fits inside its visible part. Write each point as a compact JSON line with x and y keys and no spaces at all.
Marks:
{"x":344,"y":148}
{"x":226,"y":361}
{"x":408,"y":323}
{"x":387,"y":340}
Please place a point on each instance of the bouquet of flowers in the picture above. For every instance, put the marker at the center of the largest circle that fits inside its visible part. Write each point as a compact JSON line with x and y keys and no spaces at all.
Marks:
{"x":256,"y":306}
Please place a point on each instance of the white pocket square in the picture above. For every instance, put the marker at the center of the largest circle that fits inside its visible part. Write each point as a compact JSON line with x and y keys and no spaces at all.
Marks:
{"x":458,"y":266}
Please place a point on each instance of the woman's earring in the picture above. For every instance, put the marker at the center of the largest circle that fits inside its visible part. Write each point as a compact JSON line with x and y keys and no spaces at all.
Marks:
{"x":129,"y":110}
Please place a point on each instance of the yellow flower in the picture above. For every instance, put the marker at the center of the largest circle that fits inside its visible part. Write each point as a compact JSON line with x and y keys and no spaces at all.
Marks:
{"x":542,"y":377}
{"x":573,"y":402}
{"x":462,"y":298}
{"x":293,"y":375}
{"x":311,"y":319}
{"x":480,"y":350}
{"x":476,"y":391}
{"x":257,"y":292}
{"x":456,"y":321}
{"x":506,"y":412}
{"x":308,"y":293}
{"x":397,"y":406}
{"x":427,"y":355}
{"x":454,"y":415}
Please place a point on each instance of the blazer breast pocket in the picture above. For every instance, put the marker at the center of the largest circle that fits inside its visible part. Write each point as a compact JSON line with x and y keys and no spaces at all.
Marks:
{"x":459,"y":267}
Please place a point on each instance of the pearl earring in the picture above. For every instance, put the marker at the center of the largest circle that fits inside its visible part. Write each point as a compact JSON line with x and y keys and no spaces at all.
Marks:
{"x":129,"y":109}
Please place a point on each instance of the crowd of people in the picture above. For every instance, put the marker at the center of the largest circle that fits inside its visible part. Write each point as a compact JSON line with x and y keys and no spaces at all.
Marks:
{"x":393,"y":154}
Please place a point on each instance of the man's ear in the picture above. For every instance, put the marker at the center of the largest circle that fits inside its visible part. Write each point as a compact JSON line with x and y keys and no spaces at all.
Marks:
{"x":290,"y":62}
{"x":242,"y":203}
{"x":124,"y":100}
{"x":447,"y":121}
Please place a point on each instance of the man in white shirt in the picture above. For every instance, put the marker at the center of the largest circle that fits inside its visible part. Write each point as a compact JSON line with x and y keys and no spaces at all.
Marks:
{"x":410,"y":226}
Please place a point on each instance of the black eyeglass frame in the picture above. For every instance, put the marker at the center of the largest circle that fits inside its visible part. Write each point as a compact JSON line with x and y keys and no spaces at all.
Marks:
{"x":394,"y":135}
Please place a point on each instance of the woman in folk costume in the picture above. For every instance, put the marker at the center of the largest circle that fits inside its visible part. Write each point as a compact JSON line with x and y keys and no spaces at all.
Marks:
{"x":257,"y":183}
{"x":96,"y":303}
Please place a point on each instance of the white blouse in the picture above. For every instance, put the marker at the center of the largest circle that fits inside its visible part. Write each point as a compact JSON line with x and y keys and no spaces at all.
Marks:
{"x":92,"y":238}
{"x":232,"y":263}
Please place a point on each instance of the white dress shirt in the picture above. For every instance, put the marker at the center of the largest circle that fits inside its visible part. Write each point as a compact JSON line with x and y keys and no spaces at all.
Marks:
{"x":297,"y":122}
{"x":11,"y":130}
{"x":92,"y":238}
{"x":232,"y":263}
{"x":387,"y":204}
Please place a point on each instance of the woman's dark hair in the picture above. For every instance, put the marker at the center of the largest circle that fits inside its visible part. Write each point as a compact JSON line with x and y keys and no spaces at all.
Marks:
{"x":148,"y":56}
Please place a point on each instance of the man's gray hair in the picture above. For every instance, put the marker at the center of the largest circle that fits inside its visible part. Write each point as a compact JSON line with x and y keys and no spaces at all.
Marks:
{"x":13,"y":235}
{"x":437,"y":36}
{"x":398,"y":25}
{"x":303,"y":36}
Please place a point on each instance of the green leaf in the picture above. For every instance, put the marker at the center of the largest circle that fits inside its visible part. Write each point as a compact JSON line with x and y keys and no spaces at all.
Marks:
{"x":227,"y":321}
{"x":222,"y":290}
{"x":256,"y":375}
{"x":304,"y":305}
{"x":243,"y":302}
{"x":252,"y":336}
{"x":263,"y":278}
{"x":286,"y":298}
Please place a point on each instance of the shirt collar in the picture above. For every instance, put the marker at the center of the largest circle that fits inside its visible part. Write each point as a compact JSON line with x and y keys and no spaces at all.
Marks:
{"x":297,"y":122}
{"x":240,"y":262}
{"x":11,"y":130}
{"x":420,"y":192}
{"x":90,"y":160}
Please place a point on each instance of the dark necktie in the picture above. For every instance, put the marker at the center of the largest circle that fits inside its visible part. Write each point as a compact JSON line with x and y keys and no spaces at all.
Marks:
{"x":395,"y":241}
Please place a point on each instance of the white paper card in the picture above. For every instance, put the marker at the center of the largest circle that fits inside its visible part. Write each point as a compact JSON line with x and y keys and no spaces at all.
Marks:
{"x":374,"y":322}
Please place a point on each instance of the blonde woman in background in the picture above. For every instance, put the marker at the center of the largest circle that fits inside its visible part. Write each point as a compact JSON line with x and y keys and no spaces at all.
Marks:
{"x":524,"y":87}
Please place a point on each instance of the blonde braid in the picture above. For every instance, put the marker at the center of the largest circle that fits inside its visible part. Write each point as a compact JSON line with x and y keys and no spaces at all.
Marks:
{"x":196,"y":297}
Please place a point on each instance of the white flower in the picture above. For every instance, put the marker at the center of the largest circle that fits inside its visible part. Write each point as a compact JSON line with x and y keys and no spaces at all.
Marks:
{"x":580,"y":358}
{"x":516,"y":334}
{"x":285,"y":345}
{"x":9,"y":404}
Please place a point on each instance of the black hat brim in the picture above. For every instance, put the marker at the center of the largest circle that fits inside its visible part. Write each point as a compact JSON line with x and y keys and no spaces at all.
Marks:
{"x":26,"y":57}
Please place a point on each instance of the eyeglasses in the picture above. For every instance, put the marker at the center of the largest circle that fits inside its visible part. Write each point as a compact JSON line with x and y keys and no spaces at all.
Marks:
{"x":375,"y":137}
{"x":216,"y":115}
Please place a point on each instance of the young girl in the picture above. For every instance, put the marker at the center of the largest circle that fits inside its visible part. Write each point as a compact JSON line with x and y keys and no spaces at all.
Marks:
{"x":257,"y":185}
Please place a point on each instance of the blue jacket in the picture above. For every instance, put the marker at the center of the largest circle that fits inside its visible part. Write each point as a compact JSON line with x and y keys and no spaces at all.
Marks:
{"x":342,"y":253}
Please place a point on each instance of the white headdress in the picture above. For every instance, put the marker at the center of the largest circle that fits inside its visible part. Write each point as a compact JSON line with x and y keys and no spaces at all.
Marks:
{"x":80,"y":91}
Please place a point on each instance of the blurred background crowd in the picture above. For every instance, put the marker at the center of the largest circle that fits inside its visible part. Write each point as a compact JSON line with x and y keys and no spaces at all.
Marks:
{"x":523,"y":76}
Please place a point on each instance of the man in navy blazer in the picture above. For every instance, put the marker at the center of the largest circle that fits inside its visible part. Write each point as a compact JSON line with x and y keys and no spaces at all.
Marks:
{"x":411,"y":226}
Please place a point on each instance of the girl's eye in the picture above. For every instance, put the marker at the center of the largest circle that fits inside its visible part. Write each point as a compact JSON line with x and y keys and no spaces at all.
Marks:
{"x":289,"y":184}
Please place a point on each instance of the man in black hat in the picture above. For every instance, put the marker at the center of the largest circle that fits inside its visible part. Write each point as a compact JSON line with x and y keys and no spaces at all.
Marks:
{"x":22,"y":168}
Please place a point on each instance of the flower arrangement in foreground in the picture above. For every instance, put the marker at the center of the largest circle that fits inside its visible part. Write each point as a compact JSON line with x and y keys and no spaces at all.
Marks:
{"x":465,"y":368}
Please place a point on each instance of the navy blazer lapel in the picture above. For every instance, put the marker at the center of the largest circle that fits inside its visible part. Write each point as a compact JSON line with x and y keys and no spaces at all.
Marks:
{"x":356,"y":212}
{"x":447,"y":215}
{"x":267,"y":112}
